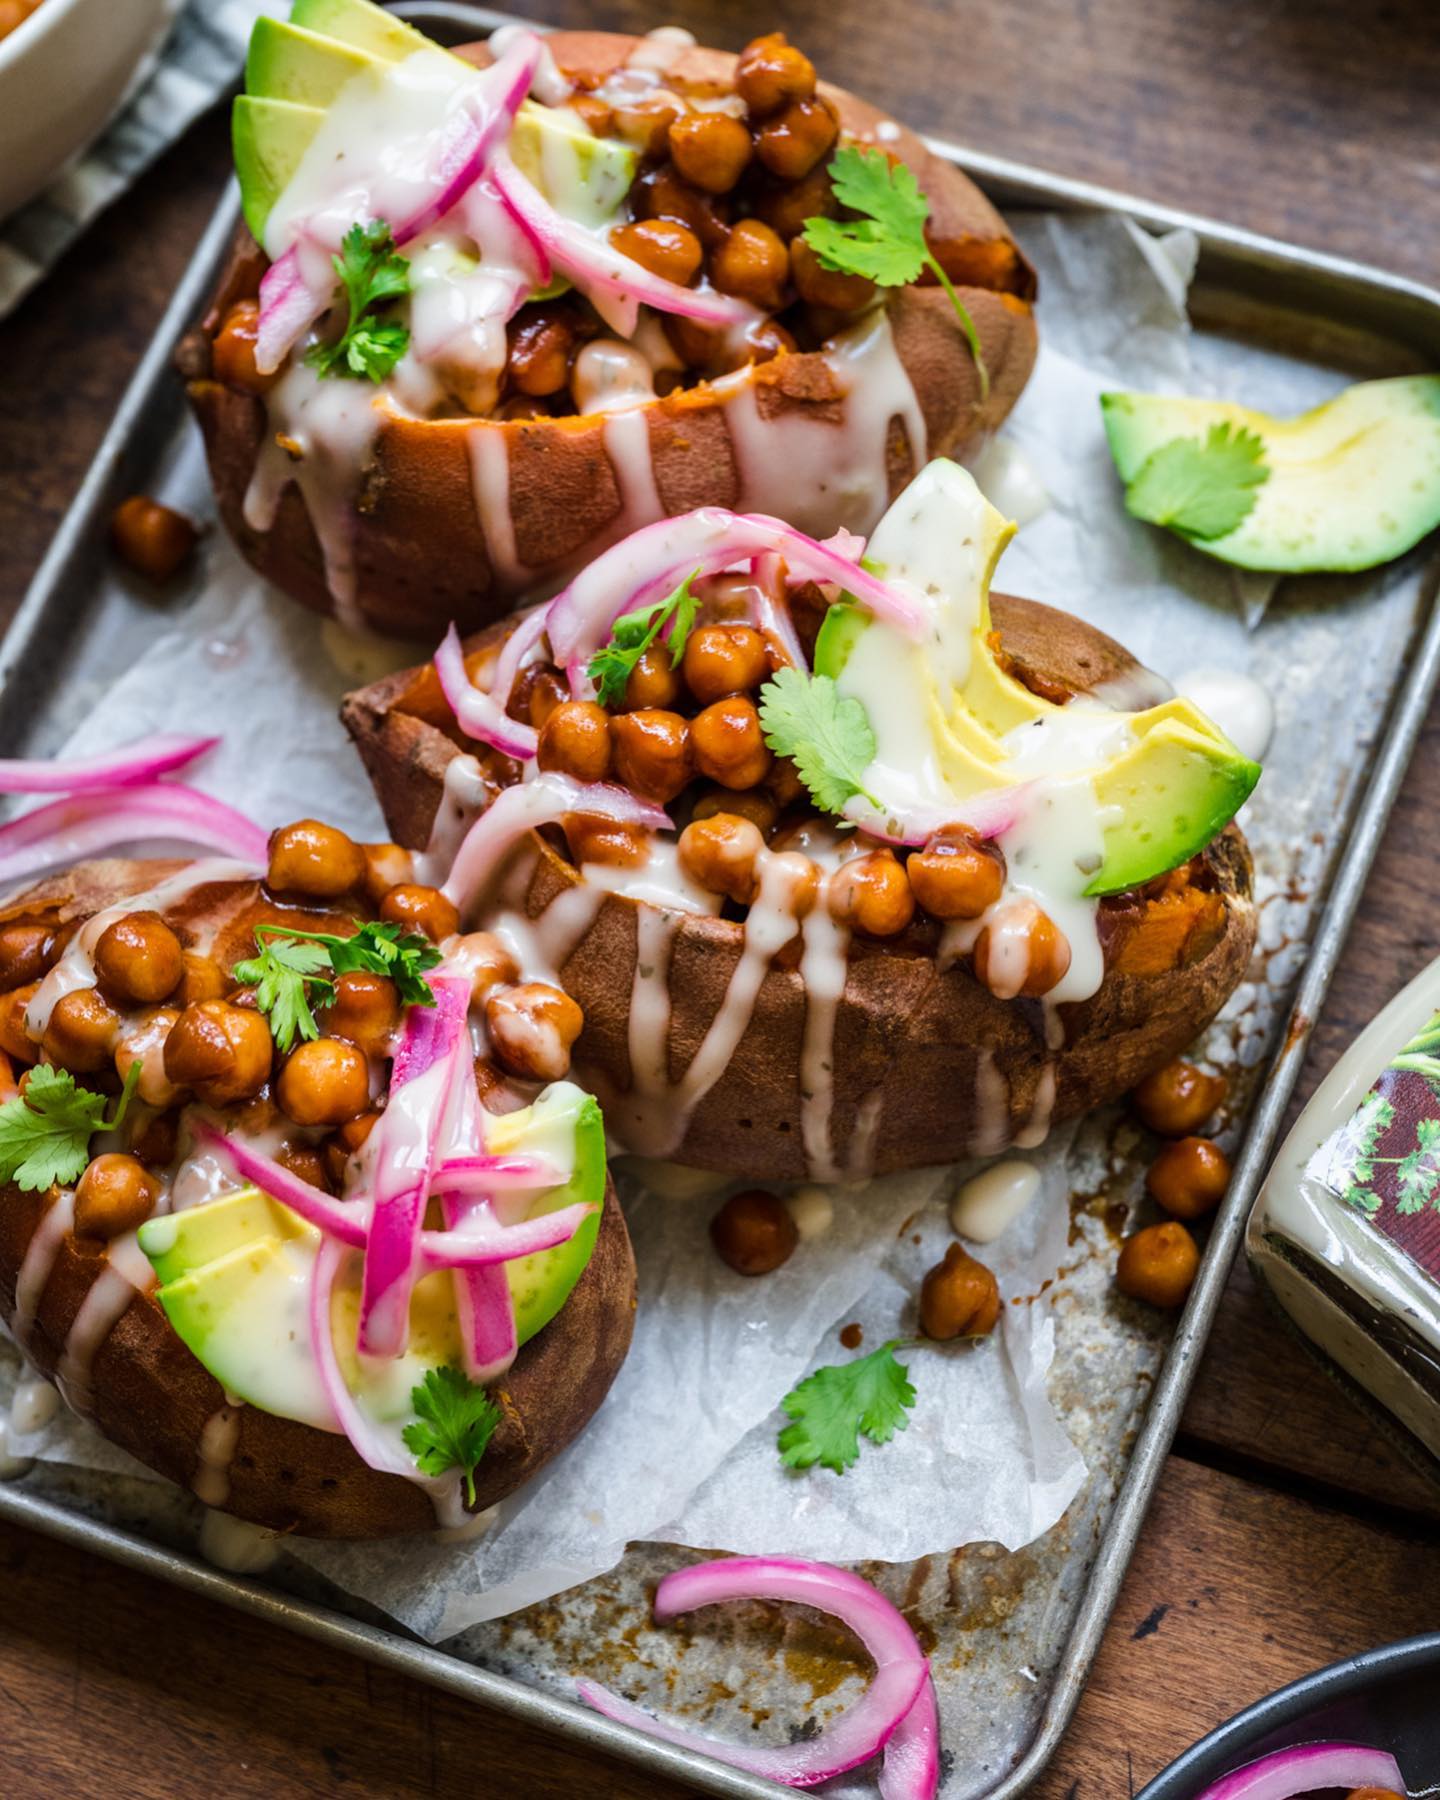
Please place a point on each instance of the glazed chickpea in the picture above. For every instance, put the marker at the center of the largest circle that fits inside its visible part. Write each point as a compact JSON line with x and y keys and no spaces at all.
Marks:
{"x":870,"y":894}
{"x":754,"y":804}
{"x":153,"y":540}
{"x":536,"y":694}
{"x":232,"y":355}
{"x":82,"y":1031}
{"x":754,"y":1232}
{"x":720,"y":854}
{"x":1158,"y":1265}
{"x":156,"y":1139}
{"x":15,"y":1041}
{"x":344,"y":1142}
{"x":646,"y":124}
{"x":729,"y":745}
{"x":663,"y":246}
{"x":653,"y":753}
{"x":315,"y":860}
{"x":305,"y":1161}
{"x":598,"y":116}
{"x":724,"y":659}
{"x":593,"y":840}
{"x":752,"y":264}
{"x":1189,"y":1177}
{"x":772,"y":71}
{"x":539,"y":358}
{"x":423,"y":909}
{"x":201,"y":978}
{"x":959,"y":1297}
{"x":24,"y":954}
{"x":575,"y":739}
{"x":324,"y":1082}
{"x":786,"y":205}
{"x":222,"y":1051}
{"x":1177,"y":1099}
{"x":826,"y":287}
{"x":795,"y":880}
{"x":653,"y":683}
{"x":661,"y":194}
{"x":139,"y":958}
{"x":956,"y":876}
{"x":784,"y":782}
{"x":1021,"y":951}
{"x":711,"y":150}
{"x":797,"y":137}
{"x":116,"y":1194}
{"x":365,"y":1011}
{"x":386,"y":866}
{"x":143,"y":1041}
{"x":487,"y":962}
{"x":531,"y":1028}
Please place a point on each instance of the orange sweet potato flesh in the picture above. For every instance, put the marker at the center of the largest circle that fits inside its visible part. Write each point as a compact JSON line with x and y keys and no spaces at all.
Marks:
{"x":922,"y":1043}
{"x":420,"y":549}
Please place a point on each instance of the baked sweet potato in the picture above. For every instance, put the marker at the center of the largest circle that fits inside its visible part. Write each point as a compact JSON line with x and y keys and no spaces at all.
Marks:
{"x":121,"y":1363}
{"x":925,"y":1065}
{"x":451,"y":517}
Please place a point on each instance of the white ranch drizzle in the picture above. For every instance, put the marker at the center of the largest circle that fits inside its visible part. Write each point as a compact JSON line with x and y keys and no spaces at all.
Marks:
{"x":100,"y":1311}
{"x":627,"y":444}
{"x":660,"y":49}
{"x":33,"y":1404}
{"x":219,"y":1440}
{"x":1037,"y":1127}
{"x":39,"y":1261}
{"x":489,"y":448}
{"x":236,"y":1545}
{"x":987,"y":1204}
{"x":824,"y":965}
{"x":991,"y":1106}
{"x":860,"y":1156}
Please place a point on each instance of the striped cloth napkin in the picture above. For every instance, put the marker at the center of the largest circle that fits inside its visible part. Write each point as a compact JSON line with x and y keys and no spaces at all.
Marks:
{"x":198,"y":62}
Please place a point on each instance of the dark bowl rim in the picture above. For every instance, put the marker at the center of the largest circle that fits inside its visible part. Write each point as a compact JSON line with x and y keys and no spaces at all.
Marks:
{"x":1227,"y":1746}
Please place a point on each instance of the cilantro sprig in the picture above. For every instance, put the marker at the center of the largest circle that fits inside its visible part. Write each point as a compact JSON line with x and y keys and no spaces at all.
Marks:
{"x":831,"y":1409}
{"x":294,"y":969}
{"x":827,"y":734}
{"x":456,"y":1421}
{"x":886,"y":244}
{"x":1202,"y":488}
{"x":45,"y":1131}
{"x":633,"y":633}
{"x":371,"y":273}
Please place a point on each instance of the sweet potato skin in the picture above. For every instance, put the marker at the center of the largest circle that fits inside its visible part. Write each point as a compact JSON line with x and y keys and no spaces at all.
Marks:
{"x":150,"y":1395}
{"x":917,"y":1047}
{"x":419,"y":544}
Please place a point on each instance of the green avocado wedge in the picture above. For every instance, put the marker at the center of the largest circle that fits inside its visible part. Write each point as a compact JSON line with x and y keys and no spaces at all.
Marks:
{"x":1343,"y":487}
{"x":286,"y":62}
{"x":361,"y":25}
{"x":268,"y":138}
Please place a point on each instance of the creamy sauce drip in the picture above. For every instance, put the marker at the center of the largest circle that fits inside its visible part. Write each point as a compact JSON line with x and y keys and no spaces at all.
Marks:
{"x":989,"y":1203}
{"x":1238,"y":704}
{"x":236,"y":1545}
{"x":219,"y":1440}
{"x":100,"y":1311}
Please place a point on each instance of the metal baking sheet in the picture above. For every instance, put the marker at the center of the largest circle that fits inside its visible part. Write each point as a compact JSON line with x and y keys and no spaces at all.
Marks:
{"x":1014,"y":1636}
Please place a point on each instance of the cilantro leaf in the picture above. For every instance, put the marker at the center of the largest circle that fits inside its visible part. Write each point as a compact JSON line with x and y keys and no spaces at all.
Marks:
{"x":831,"y":1408}
{"x":827,"y":733}
{"x":456,"y":1421}
{"x":291,"y":975}
{"x":45,"y":1132}
{"x":1201,"y":488}
{"x":633,"y":633}
{"x":371,"y":273}
{"x":887,"y":243}
{"x":380,"y":947}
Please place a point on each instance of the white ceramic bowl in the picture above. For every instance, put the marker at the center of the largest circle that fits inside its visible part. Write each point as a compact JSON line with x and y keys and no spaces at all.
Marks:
{"x":63,"y":75}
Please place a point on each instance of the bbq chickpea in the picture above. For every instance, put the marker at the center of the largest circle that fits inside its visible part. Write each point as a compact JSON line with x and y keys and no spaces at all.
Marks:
{"x":116,"y":1194}
{"x":720,"y":854}
{"x":710,"y":149}
{"x":423,"y":909}
{"x":532,"y":1027}
{"x":1177,"y":1099}
{"x":785,"y":206}
{"x":729,"y":745}
{"x":154,"y":540}
{"x":324,"y":1082}
{"x":661,"y":194}
{"x":315,"y":860}
{"x":770,"y":72}
{"x":307,"y":1161}
{"x":201,"y":978}
{"x":82,"y":1031}
{"x":1021,"y":951}
{"x":594,"y":840}
{"x":754,"y":804}
{"x":222,"y":1051}
{"x":344,"y":1142}
{"x":24,"y":954}
{"x":15,"y":1041}
{"x":539,"y":358}
{"x":1158,"y":1265}
{"x":365,"y":1010}
{"x":870,"y":894}
{"x":575,"y":739}
{"x":754,"y":1232}
{"x":646,"y":124}
{"x":959,"y":1297}
{"x":663,"y":246}
{"x":653,"y":753}
{"x":543,"y":691}
{"x":793,"y":142}
{"x":139,"y":958}
{"x":826,"y":287}
{"x":232,"y":355}
{"x":139,"y":1041}
{"x":386,"y":866}
{"x":481,"y":956}
{"x":724,"y":659}
{"x":1189,"y":1177}
{"x":956,"y":876}
{"x":653,"y":682}
{"x":156,"y":1139}
{"x":752,"y":264}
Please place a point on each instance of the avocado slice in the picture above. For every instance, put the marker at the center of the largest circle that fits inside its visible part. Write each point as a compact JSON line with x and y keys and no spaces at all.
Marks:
{"x":949,"y":719}
{"x":361,"y":25}
{"x":584,"y":177}
{"x":268,"y":138}
{"x":1352,"y":483}
{"x":286,"y":62}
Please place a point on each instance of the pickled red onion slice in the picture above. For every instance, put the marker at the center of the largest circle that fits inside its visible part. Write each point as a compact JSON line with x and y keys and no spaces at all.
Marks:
{"x":1309,"y":1769}
{"x":83,"y":824}
{"x":480,"y":715}
{"x":134,"y":766}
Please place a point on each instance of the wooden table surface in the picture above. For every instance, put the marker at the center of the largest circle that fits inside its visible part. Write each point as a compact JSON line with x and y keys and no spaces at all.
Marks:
{"x":1285,"y":1532}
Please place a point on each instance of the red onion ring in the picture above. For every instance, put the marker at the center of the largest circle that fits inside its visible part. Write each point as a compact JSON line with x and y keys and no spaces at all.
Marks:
{"x":134,"y":766}
{"x":480,"y":715}
{"x":1309,"y":1769}
{"x":80,"y":825}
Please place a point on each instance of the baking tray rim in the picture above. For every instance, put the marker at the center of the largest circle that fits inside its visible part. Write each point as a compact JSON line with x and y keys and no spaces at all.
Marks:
{"x":1408,"y":705}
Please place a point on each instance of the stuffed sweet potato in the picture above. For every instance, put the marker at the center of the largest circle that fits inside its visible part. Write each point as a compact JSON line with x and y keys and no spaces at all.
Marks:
{"x":823,"y":960}
{"x":178,"y":1305}
{"x":544,"y":416}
